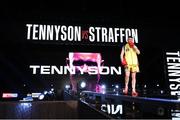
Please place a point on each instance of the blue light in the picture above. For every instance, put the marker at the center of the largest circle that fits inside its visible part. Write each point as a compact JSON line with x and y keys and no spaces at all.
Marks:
{"x":25,"y":105}
{"x":103,"y":87}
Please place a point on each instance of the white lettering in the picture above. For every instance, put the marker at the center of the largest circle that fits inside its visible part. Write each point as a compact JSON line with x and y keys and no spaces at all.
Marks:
{"x":110,"y":109}
{"x":57,"y":28}
{"x":91,"y":70}
{"x":34,"y":67}
{"x":35,"y":31}
{"x":29,"y":30}
{"x":91,"y":36}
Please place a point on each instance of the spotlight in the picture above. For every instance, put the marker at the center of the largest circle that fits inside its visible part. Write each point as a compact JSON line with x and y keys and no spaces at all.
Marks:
{"x":67,"y":87}
{"x":25,"y":105}
{"x":50,"y":92}
{"x":117,"y":86}
{"x":83,"y":84}
{"x":103,"y":87}
{"x":161,"y":91}
{"x":52,"y":89}
{"x":45,"y":92}
{"x":41,"y":97}
{"x":28,"y":97}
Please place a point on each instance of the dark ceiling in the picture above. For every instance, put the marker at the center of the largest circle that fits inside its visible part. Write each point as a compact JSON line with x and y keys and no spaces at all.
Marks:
{"x":108,"y":10}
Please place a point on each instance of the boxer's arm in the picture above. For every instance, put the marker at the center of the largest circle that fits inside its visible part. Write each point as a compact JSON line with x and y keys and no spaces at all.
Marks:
{"x":136,"y":50}
{"x":122,"y":54}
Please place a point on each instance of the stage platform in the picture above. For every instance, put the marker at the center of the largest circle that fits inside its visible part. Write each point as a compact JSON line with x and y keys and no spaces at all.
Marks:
{"x":133,"y":107}
{"x":92,"y":105}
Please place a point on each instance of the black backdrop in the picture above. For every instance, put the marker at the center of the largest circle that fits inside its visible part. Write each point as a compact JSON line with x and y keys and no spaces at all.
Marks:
{"x":157,"y":24}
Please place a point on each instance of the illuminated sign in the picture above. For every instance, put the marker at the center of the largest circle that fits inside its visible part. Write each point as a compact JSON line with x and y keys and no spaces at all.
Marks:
{"x":77,"y":34}
{"x":173,"y":72}
{"x":112,"y":109}
{"x":9,"y":95}
{"x":35,"y":95}
{"x":91,"y":70}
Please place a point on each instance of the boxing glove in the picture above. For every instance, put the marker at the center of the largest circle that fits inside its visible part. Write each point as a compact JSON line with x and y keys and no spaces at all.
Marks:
{"x":131,"y":44}
{"x":123,"y":62}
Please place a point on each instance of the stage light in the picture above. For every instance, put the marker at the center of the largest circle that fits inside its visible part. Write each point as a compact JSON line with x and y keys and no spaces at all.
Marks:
{"x":45,"y":92}
{"x":35,"y":95}
{"x":41,"y":97}
{"x":25,"y":105}
{"x":157,"y":85}
{"x":9,"y":95}
{"x":103,"y":87}
{"x":28,"y":97}
{"x":52,"y":89}
{"x":161,"y":91}
{"x":67,"y":87}
{"x":117,"y":86}
{"x":83,"y":84}
{"x":50,"y":92}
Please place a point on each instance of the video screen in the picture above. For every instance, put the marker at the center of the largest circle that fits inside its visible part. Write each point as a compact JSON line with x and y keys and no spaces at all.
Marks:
{"x":51,"y":56}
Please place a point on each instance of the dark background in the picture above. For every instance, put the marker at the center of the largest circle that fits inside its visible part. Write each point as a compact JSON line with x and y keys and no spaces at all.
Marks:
{"x":157,"y":24}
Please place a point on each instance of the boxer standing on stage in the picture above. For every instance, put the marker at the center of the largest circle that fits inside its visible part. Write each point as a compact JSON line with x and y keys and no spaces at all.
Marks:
{"x":129,"y":60}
